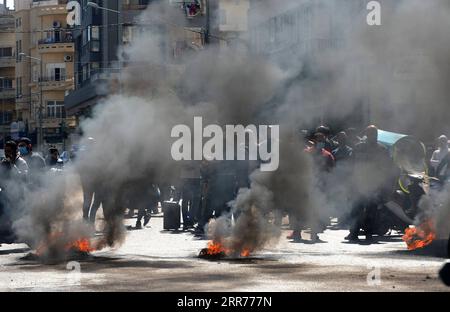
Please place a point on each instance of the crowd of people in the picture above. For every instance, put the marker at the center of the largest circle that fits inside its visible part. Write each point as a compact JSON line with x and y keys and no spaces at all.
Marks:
{"x":204,"y":189}
{"x":20,"y":160}
{"x":360,"y":161}
{"x":21,"y":171}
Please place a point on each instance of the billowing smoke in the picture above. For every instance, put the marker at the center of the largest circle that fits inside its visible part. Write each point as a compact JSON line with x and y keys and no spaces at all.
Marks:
{"x":395,"y":75}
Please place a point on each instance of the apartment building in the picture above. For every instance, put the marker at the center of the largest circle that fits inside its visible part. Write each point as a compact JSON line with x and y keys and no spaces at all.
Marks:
{"x":44,"y":70}
{"x":7,"y":74}
{"x":112,"y":24}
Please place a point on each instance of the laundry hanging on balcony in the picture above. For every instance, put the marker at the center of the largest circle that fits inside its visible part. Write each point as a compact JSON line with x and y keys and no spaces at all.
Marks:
{"x":193,"y":8}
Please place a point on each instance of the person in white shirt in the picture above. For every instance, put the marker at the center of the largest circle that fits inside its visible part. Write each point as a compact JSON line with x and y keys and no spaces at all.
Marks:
{"x":440,"y":153}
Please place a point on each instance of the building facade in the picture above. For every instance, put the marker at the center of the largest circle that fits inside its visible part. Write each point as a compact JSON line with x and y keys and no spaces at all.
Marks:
{"x":233,"y":21}
{"x":7,"y":74}
{"x":104,"y":32}
{"x":97,"y":41}
{"x":293,"y":35}
{"x":44,"y":70}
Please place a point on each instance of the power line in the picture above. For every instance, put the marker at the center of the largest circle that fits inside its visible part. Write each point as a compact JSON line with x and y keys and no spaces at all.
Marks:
{"x":117,"y":25}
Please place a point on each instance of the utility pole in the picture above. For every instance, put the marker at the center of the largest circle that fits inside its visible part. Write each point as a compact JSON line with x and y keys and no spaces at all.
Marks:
{"x":40,"y":134}
{"x":208,"y":22}
{"x":40,"y":138}
{"x":3,"y":111}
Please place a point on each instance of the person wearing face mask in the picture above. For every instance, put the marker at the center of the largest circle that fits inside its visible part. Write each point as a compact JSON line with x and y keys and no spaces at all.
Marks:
{"x":36,"y":162}
{"x":440,"y":157}
{"x":13,"y":163}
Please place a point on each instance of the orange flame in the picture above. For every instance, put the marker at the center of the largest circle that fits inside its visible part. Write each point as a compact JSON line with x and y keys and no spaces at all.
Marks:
{"x":216,"y":248}
{"x":83,"y":245}
{"x":421,"y":236}
{"x":54,"y":239}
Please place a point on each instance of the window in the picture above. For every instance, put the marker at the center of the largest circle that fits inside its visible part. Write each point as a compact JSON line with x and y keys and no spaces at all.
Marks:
{"x":18,"y":50}
{"x":6,"y":52}
{"x":6,"y":84}
{"x":6,"y":117}
{"x":55,"y":109}
{"x":60,"y":74}
{"x":85,"y":72}
{"x":94,"y":38}
{"x":19,"y":87}
{"x":56,"y":72}
{"x":95,"y":33}
{"x":94,"y":67}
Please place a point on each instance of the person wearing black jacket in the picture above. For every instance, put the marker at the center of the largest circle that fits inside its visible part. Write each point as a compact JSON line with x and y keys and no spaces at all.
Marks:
{"x":373,"y":180}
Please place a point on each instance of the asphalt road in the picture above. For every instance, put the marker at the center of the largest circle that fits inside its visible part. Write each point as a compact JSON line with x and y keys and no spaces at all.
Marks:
{"x":155,"y":260}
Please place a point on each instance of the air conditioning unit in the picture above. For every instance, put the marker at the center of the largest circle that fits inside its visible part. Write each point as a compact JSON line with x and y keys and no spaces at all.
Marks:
{"x":68,"y":58}
{"x":56,"y":24}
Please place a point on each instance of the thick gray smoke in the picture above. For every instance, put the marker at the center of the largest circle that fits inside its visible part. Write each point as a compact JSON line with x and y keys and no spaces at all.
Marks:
{"x":398,"y":71}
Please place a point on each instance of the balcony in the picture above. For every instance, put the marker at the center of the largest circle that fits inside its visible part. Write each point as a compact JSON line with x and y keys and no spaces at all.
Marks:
{"x":135,"y":4}
{"x":7,"y":93}
{"x":7,"y":61}
{"x":50,"y":7}
{"x":54,"y":83}
{"x":57,"y":42}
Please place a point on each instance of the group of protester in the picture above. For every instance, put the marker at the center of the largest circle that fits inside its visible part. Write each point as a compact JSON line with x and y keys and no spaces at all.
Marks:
{"x":21,"y":170}
{"x":359,"y":159}
{"x":205,"y":188}
{"x":20,"y":160}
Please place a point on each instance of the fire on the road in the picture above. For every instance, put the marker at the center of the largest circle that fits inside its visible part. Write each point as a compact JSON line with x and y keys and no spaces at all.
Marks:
{"x":420,"y":236}
{"x":218,"y":250}
{"x":82,"y":245}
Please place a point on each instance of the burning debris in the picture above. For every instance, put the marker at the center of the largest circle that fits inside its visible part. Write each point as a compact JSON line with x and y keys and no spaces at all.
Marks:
{"x":57,"y":248}
{"x":217,"y":250}
{"x":420,"y":236}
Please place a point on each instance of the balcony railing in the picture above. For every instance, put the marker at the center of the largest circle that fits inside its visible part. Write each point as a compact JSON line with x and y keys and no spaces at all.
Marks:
{"x":7,"y":61}
{"x":135,"y":4}
{"x":7,"y":93}
{"x":61,"y":78}
{"x":63,"y":37}
{"x":48,"y":2}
